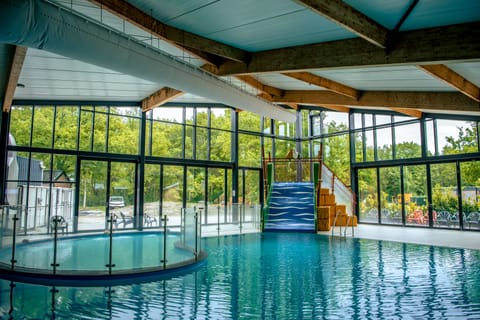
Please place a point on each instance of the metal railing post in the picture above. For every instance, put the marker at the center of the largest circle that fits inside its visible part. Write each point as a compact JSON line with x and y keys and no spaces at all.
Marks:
{"x":164,"y":261}
{"x":14,"y":234}
{"x":110,"y":265}
{"x":54,"y":265}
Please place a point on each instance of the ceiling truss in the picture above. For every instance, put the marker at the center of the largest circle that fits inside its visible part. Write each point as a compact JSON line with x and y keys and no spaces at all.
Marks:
{"x":377,"y":46}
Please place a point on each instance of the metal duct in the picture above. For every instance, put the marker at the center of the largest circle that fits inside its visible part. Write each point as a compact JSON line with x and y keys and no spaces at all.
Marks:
{"x":39,"y":24}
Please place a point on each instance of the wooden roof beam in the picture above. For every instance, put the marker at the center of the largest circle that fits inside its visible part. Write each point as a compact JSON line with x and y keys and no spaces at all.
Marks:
{"x":441,"y":101}
{"x":269,"y":90}
{"x":350,"y":19}
{"x":160,"y":97}
{"x":409,"y":112}
{"x":15,"y":69}
{"x":453,"y":79}
{"x":178,"y":37}
{"x":446,"y":43}
{"x":294,"y":106}
{"x":324,"y":83}
{"x":337,"y":108}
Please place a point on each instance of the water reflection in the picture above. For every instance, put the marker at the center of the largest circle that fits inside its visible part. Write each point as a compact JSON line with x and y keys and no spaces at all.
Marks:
{"x":278,"y":276}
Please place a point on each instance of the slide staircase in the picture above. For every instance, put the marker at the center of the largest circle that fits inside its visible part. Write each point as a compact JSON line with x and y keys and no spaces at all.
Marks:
{"x":291,"y":207}
{"x":305,"y":195}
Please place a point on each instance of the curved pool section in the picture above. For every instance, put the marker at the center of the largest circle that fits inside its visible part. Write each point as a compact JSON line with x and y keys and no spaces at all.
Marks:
{"x":279,"y":276}
{"x":136,"y":256}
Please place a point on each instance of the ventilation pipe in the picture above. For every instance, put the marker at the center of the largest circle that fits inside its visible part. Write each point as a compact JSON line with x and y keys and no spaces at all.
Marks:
{"x":42,"y":25}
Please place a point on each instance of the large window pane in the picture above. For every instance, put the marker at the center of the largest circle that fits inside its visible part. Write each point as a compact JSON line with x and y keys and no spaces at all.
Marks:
{"x":189,"y":137}
{"x":370,"y":148}
{"x":202,"y":117}
{"x":306,"y":149}
{"x":168,"y":114}
{"x":455,"y":137}
{"x":430,"y":132}
{"x":390,"y":196}
{"x":20,"y":124}
{"x":93,"y":195}
{"x":382,"y":119}
{"x":384,"y":144}
{"x":268,"y":147}
{"x":249,"y":121}
{"x":100,"y":130}
{"x":167,"y":139}
{"x":66,"y":128}
{"x":305,"y":114}
{"x":248,"y":150}
{"x":337,"y":156}
{"x":415,"y":197}
{"x":284,"y":129}
{"x":335,"y":121}
{"x":220,"y":145}
{"x":216,"y":195}
{"x":152,"y":195}
{"x":444,"y":195}
{"x":201,"y":144}
{"x":220,"y":118}
{"x":196,"y":188}
{"x":122,"y":129}
{"x":316,"y":128}
{"x":367,"y":195}
{"x":358,"y":136}
{"x":42,"y":127}
{"x":86,"y":128}
{"x":407,"y":141}
{"x":172,"y":191}
{"x":122,"y":184}
{"x":283,"y":147}
{"x":470,"y":177}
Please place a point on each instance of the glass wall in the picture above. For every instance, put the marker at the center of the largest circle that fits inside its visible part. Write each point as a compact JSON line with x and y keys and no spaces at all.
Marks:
{"x":72,"y":159}
{"x":422,"y":164}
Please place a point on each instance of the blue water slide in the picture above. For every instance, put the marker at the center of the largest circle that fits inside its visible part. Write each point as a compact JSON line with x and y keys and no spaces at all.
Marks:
{"x":291,"y":207}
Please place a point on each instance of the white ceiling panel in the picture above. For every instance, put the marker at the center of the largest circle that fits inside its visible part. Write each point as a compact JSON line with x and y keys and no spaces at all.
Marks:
{"x":49,"y":76}
{"x":401,"y":78}
{"x":285,"y":82}
{"x":469,"y":70}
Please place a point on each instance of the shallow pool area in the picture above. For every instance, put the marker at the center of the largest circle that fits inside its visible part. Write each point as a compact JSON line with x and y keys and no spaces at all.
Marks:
{"x":279,"y":276}
{"x":91,"y":252}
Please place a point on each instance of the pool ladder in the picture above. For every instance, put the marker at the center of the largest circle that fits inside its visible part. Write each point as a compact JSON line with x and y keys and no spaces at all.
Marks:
{"x":343,"y":232}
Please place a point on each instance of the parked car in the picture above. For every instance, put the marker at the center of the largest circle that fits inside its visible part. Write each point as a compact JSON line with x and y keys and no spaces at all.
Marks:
{"x":116,"y":202}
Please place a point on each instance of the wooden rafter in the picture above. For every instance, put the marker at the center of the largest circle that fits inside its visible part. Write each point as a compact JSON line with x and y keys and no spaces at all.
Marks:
{"x":409,"y":112}
{"x":271,"y":91}
{"x":124,"y":10}
{"x":451,"y":101}
{"x":337,"y":108}
{"x":15,"y":69}
{"x":451,"y":43}
{"x":453,"y":79}
{"x":351,"y":19}
{"x":294,"y":106}
{"x":325,"y":83}
{"x":160,"y":97}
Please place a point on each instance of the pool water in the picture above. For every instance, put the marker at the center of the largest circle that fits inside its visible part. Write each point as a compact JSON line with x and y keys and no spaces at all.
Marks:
{"x":280,"y":276}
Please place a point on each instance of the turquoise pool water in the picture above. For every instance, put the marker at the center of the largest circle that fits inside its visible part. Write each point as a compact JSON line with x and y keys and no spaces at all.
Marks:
{"x":279,"y":276}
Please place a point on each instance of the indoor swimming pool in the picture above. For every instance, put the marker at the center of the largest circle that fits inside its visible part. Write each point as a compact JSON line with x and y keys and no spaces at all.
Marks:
{"x":278,"y":276}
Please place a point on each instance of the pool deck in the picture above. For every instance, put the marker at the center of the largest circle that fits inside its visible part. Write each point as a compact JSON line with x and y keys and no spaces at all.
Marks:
{"x":436,"y":237}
